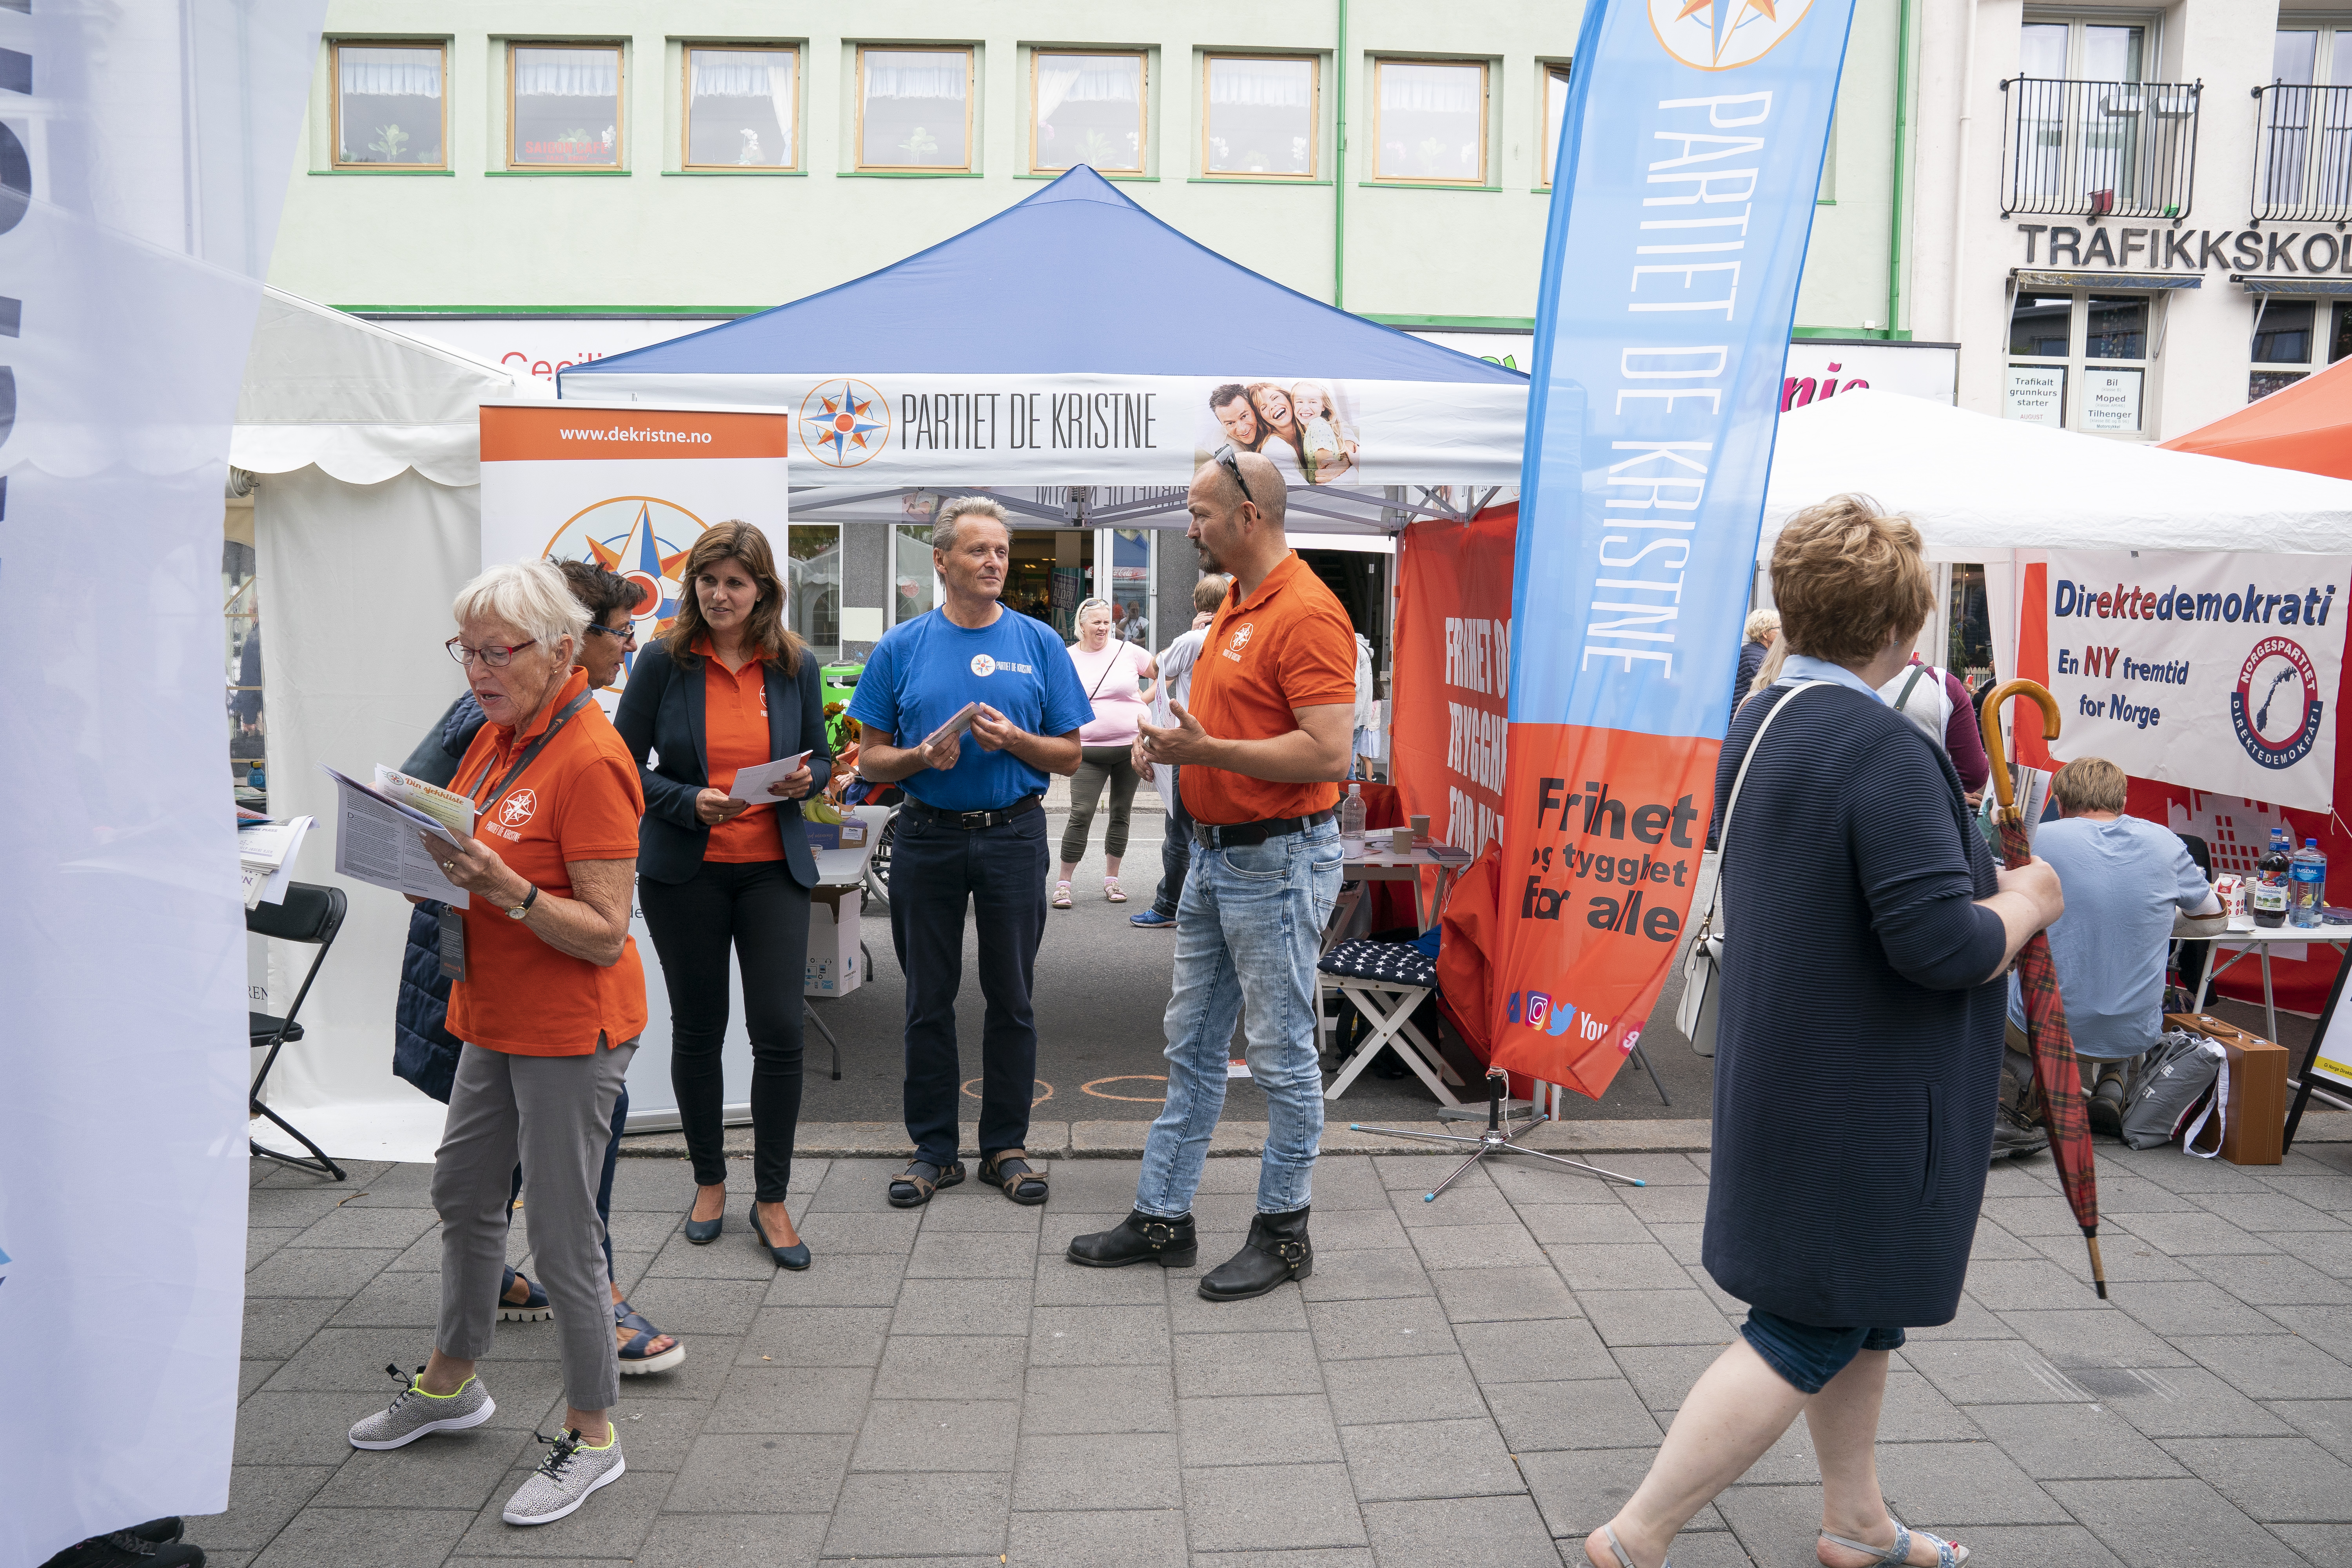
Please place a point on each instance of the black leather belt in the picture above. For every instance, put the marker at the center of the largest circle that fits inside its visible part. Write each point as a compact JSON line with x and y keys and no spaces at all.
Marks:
{"x":971,"y":821}
{"x":1212,"y":836}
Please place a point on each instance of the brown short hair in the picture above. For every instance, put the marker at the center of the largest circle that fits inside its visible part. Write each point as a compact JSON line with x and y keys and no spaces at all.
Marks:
{"x":739,"y":540}
{"x":1210,"y":592}
{"x":1849,"y":580}
{"x":599,"y":592}
{"x":2091,"y":784}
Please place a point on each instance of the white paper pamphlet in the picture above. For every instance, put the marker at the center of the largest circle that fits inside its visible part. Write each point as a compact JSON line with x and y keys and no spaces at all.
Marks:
{"x":446,"y":807}
{"x":955,"y":726}
{"x":751,"y":784}
{"x":380,"y":840}
{"x":266,"y":852}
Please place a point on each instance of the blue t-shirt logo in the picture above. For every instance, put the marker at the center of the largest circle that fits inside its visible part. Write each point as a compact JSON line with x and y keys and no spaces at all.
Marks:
{"x":923,"y":672}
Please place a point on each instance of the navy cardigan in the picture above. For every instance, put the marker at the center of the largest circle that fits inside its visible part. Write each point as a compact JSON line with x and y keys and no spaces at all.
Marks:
{"x":661,"y":711}
{"x":1858,"y":1052}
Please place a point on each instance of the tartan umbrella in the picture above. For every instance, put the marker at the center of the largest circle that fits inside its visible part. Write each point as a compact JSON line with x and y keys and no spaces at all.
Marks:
{"x":2054,"y":1068}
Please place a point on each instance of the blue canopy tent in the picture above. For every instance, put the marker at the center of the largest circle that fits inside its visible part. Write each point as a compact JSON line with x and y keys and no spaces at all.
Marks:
{"x":1069,"y":350}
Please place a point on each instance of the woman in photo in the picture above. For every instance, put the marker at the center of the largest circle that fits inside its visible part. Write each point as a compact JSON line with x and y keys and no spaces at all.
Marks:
{"x":1277,"y":433}
{"x":1331,"y":450}
{"x":1117,"y":676}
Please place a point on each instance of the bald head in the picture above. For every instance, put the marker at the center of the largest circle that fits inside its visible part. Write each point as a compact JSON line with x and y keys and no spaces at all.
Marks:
{"x":1238,"y":527}
{"x":1266,"y":489}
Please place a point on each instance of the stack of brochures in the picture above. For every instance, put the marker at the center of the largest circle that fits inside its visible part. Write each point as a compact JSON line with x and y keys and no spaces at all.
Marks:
{"x":265,"y":855}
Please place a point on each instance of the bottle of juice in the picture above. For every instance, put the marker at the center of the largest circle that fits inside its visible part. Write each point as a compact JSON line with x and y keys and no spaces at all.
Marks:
{"x":2267,"y":898}
{"x":2307,"y":884}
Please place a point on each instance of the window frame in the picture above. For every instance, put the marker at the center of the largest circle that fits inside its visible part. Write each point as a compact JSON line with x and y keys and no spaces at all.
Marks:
{"x":2076,"y":366}
{"x":685,"y":106}
{"x":620,"y":47}
{"x":335,"y":47}
{"x":1486,"y":111}
{"x":2151,"y":43}
{"x":970,"y":53}
{"x":1314,"y":62}
{"x":2327,"y":310}
{"x":1560,"y":72}
{"x":1142,"y":58}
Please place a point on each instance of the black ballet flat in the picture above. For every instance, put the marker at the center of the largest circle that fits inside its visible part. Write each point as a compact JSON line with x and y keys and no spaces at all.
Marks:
{"x":795,"y":1256}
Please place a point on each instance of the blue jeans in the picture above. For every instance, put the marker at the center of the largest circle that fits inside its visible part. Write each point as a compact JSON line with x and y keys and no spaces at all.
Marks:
{"x":936,"y":873}
{"x":1806,"y":1356}
{"x":1247,"y":932}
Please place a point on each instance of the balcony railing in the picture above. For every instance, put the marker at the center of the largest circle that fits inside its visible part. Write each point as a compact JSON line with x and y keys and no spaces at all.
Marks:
{"x":2302,"y":160}
{"x":2101,"y":149}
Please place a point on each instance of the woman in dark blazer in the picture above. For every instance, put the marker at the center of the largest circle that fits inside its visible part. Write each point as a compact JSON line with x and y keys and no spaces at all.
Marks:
{"x":1858,"y":1052}
{"x":728,"y":687}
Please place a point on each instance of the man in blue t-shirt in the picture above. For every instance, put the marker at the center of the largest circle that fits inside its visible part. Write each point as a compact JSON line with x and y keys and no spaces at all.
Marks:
{"x":973,"y":831}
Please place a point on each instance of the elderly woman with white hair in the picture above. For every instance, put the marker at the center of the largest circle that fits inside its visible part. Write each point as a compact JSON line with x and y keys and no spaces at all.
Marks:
{"x":549,"y":1004}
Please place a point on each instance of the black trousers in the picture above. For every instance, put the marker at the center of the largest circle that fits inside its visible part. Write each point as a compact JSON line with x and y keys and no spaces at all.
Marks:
{"x":1176,"y":848}
{"x":936,"y":872}
{"x":756,"y":908}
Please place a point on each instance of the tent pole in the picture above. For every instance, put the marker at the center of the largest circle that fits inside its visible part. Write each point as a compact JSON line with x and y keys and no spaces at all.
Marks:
{"x":1339,"y":167}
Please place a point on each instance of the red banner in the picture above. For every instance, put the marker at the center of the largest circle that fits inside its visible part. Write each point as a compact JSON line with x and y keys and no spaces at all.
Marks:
{"x":1452,"y":663}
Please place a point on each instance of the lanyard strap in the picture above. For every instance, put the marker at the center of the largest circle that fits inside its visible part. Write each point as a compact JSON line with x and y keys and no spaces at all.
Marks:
{"x":530,"y":752}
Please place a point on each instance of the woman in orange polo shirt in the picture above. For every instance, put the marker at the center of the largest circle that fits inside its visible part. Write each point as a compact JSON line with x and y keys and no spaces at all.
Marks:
{"x":549,"y":1004}
{"x":726,"y":688}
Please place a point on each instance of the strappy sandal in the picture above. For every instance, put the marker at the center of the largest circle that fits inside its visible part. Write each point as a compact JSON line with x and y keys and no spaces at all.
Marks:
{"x":912,"y":1187}
{"x":1113,"y":891}
{"x":532,"y":1309}
{"x":1626,"y":1558}
{"x":1949,"y":1553}
{"x":1025,"y":1186}
{"x":634,"y":1356}
{"x":1061,"y":895}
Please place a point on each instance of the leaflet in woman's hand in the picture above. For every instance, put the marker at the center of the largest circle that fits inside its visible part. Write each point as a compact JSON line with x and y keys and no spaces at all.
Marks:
{"x":446,"y":807}
{"x":751,"y":784}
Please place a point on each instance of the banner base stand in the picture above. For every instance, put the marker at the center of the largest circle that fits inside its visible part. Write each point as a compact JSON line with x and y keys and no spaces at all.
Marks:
{"x":1497,"y":1138}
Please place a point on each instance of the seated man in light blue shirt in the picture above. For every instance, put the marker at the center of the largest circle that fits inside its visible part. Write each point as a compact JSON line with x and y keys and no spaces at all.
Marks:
{"x":2123,"y":879}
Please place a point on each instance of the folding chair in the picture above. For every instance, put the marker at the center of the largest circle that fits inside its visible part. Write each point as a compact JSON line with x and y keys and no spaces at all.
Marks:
{"x":310,"y":913}
{"x":1386,"y":982}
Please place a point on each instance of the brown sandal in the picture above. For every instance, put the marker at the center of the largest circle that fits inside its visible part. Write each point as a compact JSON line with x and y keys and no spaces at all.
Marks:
{"x":1026,"y":1186}
{"x":911,"y":1188}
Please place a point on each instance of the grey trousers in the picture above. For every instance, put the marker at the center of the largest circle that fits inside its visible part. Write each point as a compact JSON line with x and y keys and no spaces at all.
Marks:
{"x":555,"y":1115}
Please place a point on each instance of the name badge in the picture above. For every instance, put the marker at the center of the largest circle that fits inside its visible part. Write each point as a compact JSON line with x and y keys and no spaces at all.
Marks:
{"x":453,"y":944}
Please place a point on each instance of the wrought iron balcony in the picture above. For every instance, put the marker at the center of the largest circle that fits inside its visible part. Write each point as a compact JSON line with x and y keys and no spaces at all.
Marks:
{"x":2303,"y":156}
{"x":2100,"y":149}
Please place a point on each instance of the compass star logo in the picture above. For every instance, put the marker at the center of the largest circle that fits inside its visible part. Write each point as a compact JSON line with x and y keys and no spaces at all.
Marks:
{"x":1724,"y":35}
{"x":845,"y":422}
{"x":645,"y":540}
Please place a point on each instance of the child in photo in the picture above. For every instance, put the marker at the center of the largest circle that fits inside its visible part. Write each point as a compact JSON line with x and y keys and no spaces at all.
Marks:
{"x":1330,"y":450}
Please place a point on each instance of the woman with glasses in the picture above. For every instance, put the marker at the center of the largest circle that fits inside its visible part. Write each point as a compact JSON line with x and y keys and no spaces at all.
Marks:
{"x":550,"y":1003}
{"x":729,"y":688}
{"x":1116,"y":675}
{"x":425,"y":1053}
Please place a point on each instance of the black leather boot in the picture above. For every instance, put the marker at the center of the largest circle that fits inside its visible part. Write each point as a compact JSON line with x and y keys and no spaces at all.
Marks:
{"x":1277,"y":1250}
{"x":1139,"y":1238}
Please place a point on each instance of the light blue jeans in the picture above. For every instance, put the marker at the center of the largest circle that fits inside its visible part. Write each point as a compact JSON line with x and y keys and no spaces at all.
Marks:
{"x":1247,"y":933}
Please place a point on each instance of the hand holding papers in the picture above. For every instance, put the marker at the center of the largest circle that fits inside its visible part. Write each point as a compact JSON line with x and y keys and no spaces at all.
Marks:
{"x":380,"y":839}
{"x":751,"y":784}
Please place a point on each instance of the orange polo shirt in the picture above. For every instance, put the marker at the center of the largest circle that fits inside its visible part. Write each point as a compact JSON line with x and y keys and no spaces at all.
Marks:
{"x":578,"y":800}
{"x":1288,"y":646}
{"x":735,"y":735}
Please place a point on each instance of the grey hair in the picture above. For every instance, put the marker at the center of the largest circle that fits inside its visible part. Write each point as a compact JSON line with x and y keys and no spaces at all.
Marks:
{"x":943,"y":526}
{"x":1762,"y":625}
{"x":531,"y":596}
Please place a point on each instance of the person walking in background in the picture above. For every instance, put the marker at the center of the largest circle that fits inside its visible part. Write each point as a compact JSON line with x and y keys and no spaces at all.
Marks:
{"x":728,"y":687}
{"x":1939,"y":705}
{"x":1762,"y":626}
{"x":1176,"y":686}
{"x":1886,"y":1000}
{"x":971,"y":834}
{"x":1261,"y":742}
{"x":551,"y":1005}
{"x":424,"y":1051}
{"x":1116,"y":675}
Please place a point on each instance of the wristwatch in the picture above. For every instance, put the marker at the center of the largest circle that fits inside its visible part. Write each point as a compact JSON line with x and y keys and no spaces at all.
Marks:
{"x":523,"y":907}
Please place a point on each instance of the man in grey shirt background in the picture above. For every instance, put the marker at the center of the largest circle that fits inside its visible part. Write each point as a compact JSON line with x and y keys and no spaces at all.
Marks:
{"x":1176,"y":684}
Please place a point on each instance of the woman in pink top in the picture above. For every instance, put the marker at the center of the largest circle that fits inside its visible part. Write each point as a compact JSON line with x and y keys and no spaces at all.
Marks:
{"x":1118,"y":675}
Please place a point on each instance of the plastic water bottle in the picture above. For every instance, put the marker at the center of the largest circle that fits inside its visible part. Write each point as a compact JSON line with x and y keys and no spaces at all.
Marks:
{"x":2307,"y":883}
{"x":2267,"y":900}
{"x":1352,"y":823}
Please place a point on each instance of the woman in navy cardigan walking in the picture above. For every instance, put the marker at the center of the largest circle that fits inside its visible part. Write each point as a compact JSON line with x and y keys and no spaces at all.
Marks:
{"x":1866,"y":933}
{"x":728,"y":687}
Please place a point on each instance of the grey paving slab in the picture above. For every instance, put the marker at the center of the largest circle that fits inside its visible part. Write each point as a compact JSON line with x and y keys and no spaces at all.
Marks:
{"x":420,"y":1537}
{"x":964,"y":1307}
{"x":2073,"y":1442}
{"x":1419,"y":1460}
{"x":2038,"y":1546}
{"x":761,"y":1473}
{"x":1260,"y":1508}
{"x":2274,"y":1479}
{"x":1495,"y":1532}
{"x":2166,"y":1524}
{"x":1258,"y":1429}
{"x":2278,"y":1279}
{"x":1098,"y":1336}
{"x":924,"y":1366}
{"x":2093,"y":1335}
{"x":1370,"y":1276}
{"x":1618,"y":1266}
{"x":1593,"y":1413}
{"x":2327,"y":1422}
{"x":1211,"y":1365}
{"x":1135,"y":1470}
{"x":1427,"y":1387}
{"x":1454,"y":1209}
{"x":1578,"y":1492}
{"x":1960,"y":1484}
{"x":1354,"y":1330}
{"x":790,"y":1399}
{"x":880,"y":1516}
{"x":1114,"y":1538}
{"x":2181,"y":1402}
{"x":915,"y":1435}
{"x":1684,"y":1317}
{"x":1079,"y":1399}
{"x":816,"y":1336}
{"x":2271,"y":1366}
{"x":1507,"y":1245}
{"x":1553,"y":1349}
{"x":746,"y":1539}
{"x":1276,"y":1311}
{"x":1508,"y":1294}
{"x":1584,"y":1225}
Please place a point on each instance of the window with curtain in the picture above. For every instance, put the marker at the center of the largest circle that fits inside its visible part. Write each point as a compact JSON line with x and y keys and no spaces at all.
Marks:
{"x":914,"y":108}
{"x":1555,"y":123}
{"x":913,"y":579}
{"x":388,"y":106}
{"x":813,"y":588}
{"x":1085,"y":109}
{"x":1261,"y":116}
{"x":1430,"y":122}
{"x":563,"y":108}
{"x":739,"y":109}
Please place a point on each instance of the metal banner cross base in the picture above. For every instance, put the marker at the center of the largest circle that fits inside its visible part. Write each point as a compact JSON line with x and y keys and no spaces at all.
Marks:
{"x":1497,"y":1138}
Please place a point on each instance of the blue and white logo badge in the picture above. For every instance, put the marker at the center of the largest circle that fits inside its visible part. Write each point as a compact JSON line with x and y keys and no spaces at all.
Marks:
{"x":2276,"y":706}
{"x":1724,"y":35}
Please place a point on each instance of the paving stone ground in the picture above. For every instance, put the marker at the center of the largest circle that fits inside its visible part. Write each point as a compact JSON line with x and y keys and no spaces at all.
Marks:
{"x":1477,"y":1381}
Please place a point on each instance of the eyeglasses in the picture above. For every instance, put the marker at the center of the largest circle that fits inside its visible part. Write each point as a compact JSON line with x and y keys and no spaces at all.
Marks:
{"x":496,"y":658}
{"x":1225,"y":459}
{"x":625,"y":635}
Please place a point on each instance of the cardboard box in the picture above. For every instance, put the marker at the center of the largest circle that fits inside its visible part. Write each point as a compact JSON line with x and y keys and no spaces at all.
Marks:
{"x":836,"y":962}
{"x":849,"y":834}
{"x":2254,"y":1126}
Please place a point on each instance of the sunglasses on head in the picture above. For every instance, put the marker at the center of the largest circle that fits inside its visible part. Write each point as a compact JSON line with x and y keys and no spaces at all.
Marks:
{"x":1226,"y":459}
